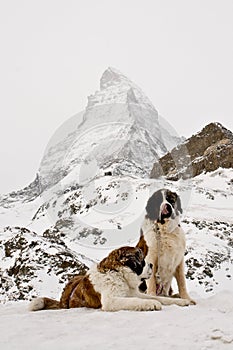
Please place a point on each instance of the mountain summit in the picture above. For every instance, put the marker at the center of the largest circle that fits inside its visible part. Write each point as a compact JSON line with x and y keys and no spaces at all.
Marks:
{"x":112,"y":76}
{"x":115,"y":87}
{"x":120,"y":130}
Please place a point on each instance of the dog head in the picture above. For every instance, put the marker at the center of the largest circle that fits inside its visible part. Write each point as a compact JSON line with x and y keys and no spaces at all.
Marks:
{"x":130,"y":257}
{"x":163,"y":205}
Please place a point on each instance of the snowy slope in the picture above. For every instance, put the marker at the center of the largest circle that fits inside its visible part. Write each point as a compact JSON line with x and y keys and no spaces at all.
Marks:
{"x":106,"y":213}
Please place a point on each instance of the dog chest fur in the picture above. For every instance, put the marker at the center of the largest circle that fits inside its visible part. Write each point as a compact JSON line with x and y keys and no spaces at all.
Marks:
{"x":113,"y":283}
{"x":171,"y":248}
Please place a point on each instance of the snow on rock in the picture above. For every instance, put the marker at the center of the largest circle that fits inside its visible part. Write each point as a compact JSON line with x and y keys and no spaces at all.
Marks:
{"x":31,"y":264}
{"x":209,"y":255}
{"x":206,"y":151}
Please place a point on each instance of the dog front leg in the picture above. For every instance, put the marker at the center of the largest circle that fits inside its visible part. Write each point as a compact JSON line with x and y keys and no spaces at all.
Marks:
{"x":180,"y":278}
{"x":129,"y":303}
{"x":151,"y":282}
{"x":165,"y":300}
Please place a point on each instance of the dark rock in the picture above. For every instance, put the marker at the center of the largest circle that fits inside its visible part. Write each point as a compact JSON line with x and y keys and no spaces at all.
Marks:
{"x":204,"y":152}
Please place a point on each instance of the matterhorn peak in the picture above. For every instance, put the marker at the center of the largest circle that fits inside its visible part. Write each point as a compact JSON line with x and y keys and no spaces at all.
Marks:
{"x":117,"y":88}
{"x":111,"y":77}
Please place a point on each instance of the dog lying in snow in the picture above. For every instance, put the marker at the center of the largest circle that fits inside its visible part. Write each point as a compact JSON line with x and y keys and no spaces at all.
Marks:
{"x":111,"y":285}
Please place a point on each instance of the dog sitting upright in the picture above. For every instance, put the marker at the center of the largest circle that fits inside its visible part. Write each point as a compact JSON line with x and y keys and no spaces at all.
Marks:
{"x":162,"y":241}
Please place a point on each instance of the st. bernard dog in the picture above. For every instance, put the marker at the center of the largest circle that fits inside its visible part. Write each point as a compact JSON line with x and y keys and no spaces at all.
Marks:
{"x":162,"y":241}
{"x":111,"y":285}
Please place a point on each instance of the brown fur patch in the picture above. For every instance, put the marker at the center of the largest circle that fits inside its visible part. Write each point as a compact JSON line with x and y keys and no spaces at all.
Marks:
{"x":116,"y":259}
{"x":51,"y":304}
{"x":80,"y":292}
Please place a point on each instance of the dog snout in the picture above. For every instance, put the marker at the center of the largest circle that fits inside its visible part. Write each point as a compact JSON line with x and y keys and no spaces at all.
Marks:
{"x":165,"y":208}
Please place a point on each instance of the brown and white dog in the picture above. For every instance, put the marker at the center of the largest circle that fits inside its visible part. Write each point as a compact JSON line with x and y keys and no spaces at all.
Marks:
{"x":162,"y":241}
{"x":111,"y":285}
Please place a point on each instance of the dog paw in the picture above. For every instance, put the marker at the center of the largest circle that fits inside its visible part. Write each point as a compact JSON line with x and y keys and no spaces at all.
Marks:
{"x":185,"y":302}
{"x":187,"y":297}
{"x":151,"y":305}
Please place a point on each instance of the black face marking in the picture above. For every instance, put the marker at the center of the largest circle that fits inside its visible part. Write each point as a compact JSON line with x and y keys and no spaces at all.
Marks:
{"x":143,"y":286}
{"x":174,"y":200}
{"x":136,"y":262}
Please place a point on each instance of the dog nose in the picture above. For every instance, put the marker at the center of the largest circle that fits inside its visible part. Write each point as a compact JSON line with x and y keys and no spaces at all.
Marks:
{"x":151,"y":266}
{"x":165,"y":209}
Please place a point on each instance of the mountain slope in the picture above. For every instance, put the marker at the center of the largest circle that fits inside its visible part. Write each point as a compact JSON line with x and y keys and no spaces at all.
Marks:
{"x":82,"y":230}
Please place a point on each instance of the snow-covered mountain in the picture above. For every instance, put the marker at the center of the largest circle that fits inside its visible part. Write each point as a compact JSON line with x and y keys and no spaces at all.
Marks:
{"x":119,"y":130}
{"x":90,"y":195}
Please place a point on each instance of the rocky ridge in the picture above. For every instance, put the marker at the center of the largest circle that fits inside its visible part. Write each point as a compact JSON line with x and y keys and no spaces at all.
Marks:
{"x":205,"y":151}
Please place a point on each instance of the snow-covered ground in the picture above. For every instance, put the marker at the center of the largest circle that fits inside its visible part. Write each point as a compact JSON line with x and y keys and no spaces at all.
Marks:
{"x":208,"y":325}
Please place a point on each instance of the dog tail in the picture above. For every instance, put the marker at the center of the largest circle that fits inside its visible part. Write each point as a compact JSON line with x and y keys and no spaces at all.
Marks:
{"x":44,"y":304}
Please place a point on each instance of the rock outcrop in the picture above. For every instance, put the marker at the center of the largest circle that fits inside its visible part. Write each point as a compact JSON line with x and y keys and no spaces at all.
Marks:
{"x":30,"y":263}
{"x":205,"y":151}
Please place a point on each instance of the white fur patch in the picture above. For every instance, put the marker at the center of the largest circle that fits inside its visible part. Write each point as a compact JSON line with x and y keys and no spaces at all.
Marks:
{"x":36,"y":304}
{"x":119,"y":290}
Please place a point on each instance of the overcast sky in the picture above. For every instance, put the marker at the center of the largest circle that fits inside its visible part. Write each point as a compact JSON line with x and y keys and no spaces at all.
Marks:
{"x":53,"y":52}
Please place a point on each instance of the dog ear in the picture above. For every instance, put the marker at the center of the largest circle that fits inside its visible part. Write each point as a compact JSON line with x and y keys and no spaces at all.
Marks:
{"x":153,"y":206}
{"x":114,"y":260}
{"x":105,"y":265}
{"x":130,"y":255}
{"x":178,"y":205}
{"x":111,"y":262}
{"x":127,"y":253}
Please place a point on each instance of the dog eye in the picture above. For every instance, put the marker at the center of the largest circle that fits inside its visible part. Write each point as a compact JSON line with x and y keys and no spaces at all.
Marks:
{"x":171,"y":201}
{"x":132,"y":262}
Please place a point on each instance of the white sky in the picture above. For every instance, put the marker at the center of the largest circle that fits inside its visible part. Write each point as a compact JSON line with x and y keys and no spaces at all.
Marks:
{"x":53,"y":52}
